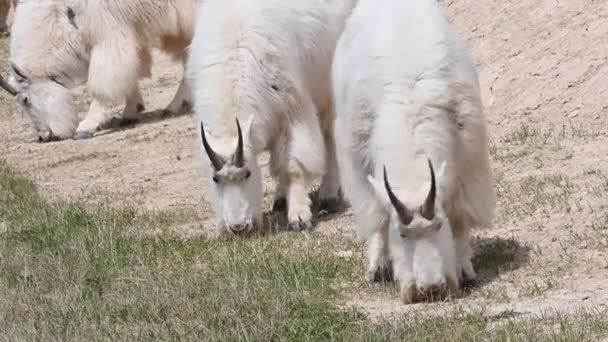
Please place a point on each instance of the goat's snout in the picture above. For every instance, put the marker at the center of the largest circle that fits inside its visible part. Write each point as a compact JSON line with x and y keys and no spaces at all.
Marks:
{"x":433,"y":292}
{"x":47,"y":136}
{"x":239,"y":228}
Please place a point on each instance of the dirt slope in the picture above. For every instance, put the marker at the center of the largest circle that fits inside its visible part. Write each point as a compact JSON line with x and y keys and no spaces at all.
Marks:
{"x":544,"y":71}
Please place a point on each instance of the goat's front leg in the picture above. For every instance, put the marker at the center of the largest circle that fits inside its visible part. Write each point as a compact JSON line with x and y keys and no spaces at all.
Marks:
{"x":299,"y":214}
{"x":100,"y":115}
{"x":114,"y":69}
{"x":305,"y":161}
{"x":380,"y":264}
{"x":464,"y":253}
{"x":96,"y":117}
{"x":277,"y":171}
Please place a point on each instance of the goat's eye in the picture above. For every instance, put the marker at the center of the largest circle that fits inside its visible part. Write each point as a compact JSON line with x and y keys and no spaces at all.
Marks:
{"x":248,"y":174}
{"x":216,"y":179}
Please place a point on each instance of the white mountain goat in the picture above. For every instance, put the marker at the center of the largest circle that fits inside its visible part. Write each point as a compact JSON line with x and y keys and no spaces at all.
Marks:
{"x":59,"y":44}
{"x":266,"y":63}
{"x":407,"y":97}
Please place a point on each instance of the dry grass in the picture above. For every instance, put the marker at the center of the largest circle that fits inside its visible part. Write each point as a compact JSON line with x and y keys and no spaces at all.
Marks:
{"x":72,"y":272}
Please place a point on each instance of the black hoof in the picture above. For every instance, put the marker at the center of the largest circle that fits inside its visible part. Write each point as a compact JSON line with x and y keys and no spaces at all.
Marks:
{"x":300,"y":225}
{"x":279,"y":205}
{"x":329,"y":206}
{"x":381,"y":274}
{"x":467,"y":282}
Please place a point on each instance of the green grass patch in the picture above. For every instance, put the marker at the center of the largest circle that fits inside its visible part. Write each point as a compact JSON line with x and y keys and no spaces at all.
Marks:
{"x":73,"y":272}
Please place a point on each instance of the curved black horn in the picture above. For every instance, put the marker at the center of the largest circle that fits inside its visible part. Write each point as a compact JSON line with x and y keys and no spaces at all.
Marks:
{"x":404,"y":213}
{"x":239,"y":159}
{"x":428,"y":209}
{"x":20,"y":73}
{"x":215,"y":159}
{"x":4,"y":85}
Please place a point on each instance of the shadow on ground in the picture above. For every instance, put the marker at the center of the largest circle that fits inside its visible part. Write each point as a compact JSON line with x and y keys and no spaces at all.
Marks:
{"x":118,"y":125}
{"x":494,"y":256}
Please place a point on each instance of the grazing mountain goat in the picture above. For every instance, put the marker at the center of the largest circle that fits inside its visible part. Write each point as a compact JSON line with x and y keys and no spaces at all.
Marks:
{"x":407,"y":98}
{"x":266,"y":63}
{"x":57,"y":44}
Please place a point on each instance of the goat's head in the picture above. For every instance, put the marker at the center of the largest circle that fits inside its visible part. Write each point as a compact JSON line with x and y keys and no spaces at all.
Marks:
{"x":237,"y":184}
{"x":47,"y":54}
{"x":423,"y":237}
{"x":49,"y":105}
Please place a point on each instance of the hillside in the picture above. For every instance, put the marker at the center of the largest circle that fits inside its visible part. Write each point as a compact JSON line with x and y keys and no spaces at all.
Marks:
{"x":543,"y":68}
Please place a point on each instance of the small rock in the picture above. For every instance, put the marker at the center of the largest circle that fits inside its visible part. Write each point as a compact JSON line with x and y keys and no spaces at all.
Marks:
{"x":573,"y":114}
{"x":147,"y":179}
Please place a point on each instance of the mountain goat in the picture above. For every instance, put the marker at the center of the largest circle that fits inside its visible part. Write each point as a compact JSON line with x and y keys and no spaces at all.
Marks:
{"x":59,"y":44}
{"x":407,"y":99}
{"x":266,"y":63}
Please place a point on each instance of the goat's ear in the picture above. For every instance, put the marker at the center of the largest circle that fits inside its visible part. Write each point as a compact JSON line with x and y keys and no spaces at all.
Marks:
{"x":74,"y":14}
{"x":440,"y":171}
{"x":442,"y":182}
{"x":71,"y":16}
{"x":380,"y":191}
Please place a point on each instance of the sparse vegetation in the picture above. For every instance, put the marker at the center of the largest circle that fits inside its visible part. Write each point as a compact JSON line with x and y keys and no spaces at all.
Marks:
{"x":72,"y":272}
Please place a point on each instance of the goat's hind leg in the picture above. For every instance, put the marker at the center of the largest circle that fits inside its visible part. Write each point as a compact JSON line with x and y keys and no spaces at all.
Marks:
{"x":182,"y":101}
{"x":329,"y":191}
{"x":134,"y":104}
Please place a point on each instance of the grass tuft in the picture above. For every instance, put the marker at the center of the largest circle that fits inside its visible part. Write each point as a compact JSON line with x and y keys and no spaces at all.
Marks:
{"x":70,"y":271}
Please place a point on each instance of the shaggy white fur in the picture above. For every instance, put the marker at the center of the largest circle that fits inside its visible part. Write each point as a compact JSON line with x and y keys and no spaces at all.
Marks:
{"x":407,"y":96}
{"x":105,"y":43}
{"x":266,"y":63}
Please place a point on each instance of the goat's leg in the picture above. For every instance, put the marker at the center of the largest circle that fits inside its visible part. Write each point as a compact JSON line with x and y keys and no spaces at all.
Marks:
{"x":329,"y":191}
{"x":299,"y":214}
{"x":114,"y":69}
{"x":464,"y":252}
{"x":380,"y":266}
{"x":370,"y":216}
{"x":280,"y":194}
{"x":134,"y":103}
{"x":182,"y":101}
{"x":96,"y":117}
{"x":276,"y":167}
{"x":305,"y":157}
